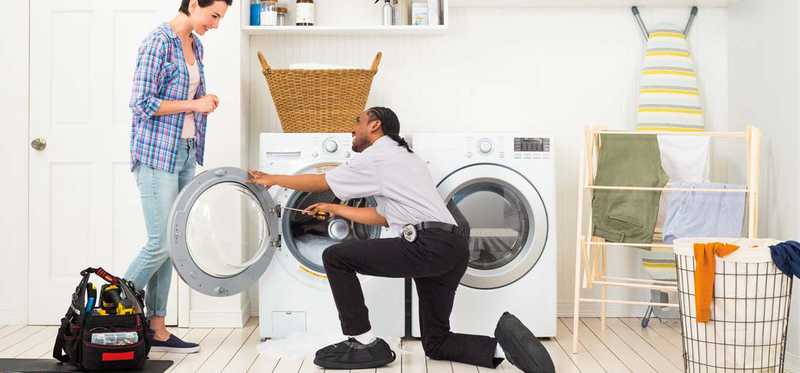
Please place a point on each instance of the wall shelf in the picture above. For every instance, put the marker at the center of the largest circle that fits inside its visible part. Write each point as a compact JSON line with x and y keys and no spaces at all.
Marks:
{"x":343,"y":30}
{"x":344,"y":17}
{"x":589,"y":3}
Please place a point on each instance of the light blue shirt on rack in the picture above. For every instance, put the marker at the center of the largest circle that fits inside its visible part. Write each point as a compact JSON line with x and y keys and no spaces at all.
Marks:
{"x":703,"y":214}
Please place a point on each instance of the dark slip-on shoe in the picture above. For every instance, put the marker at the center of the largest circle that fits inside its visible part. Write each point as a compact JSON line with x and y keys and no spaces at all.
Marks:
{"x":521,"y":347}
{"x":352,"y":354}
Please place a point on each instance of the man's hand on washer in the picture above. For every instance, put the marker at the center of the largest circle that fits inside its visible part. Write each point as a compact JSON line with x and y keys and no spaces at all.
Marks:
{"x":261,"y":178}
{"x":312,"y":183}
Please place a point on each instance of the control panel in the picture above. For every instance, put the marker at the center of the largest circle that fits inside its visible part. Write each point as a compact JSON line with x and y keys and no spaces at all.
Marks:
{"x":501,"y":147}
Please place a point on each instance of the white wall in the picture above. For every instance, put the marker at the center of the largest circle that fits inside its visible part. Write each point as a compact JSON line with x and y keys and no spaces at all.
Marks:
{"x":529,"y":69}
{"x":765,"y":91}
{"x":14,"y":153}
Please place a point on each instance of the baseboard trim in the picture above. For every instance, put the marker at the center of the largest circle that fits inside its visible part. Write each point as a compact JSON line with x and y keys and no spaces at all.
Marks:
{"x":216,"y":319}
{"x":792,"y":363}
{"x":566,"y":309}
{"x":11,"y":317}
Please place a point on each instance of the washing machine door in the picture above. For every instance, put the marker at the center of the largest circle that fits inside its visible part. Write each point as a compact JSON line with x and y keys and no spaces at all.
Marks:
{"x":223,"y":232}
{"x":507,"y":218}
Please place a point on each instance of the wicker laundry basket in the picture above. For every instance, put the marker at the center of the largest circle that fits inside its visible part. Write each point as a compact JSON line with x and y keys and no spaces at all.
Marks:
{"x":749,"y":311}
{"x":319,"y":100}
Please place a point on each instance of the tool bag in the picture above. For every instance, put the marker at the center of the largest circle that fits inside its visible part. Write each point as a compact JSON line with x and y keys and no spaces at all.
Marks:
{"x":92,"y":341}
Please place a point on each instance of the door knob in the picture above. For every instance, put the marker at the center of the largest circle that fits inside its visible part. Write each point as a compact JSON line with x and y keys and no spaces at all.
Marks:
{"x":39,"y":144}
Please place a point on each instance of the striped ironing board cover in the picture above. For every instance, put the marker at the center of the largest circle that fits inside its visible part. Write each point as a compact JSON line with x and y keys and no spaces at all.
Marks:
{"x":669,"y":98}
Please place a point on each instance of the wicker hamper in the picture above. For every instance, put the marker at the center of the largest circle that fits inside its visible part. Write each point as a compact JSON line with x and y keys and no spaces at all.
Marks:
{"x":319,"y":100}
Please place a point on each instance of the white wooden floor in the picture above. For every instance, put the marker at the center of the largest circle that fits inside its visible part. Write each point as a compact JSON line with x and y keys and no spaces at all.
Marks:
{"x":624,"y":347}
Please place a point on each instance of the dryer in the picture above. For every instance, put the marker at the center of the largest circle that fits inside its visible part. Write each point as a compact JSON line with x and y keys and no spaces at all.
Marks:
{"x":276,"y":248}
{"x":504,"y":186}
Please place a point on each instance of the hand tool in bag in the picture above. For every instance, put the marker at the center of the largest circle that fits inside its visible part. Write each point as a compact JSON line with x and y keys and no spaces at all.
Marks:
{"x":91,"y":297}
{"x":111,"y":302}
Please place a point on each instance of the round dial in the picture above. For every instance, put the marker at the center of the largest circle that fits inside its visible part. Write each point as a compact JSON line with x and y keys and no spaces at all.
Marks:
{"x":330,"y":146}
{"x":485,"y":146}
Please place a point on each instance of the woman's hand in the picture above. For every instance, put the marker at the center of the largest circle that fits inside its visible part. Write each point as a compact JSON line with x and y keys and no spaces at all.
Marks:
{"x":260,"y":178}
{"x":205,"y":104}
{"x":318,"y":209}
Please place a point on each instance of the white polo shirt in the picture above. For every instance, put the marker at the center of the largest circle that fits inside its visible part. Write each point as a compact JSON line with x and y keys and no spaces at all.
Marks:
{"x":398,"y":180}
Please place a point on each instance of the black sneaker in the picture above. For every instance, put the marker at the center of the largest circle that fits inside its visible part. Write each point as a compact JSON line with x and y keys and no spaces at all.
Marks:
{"x":352,"y":354}
{"x":521,"y":347}
{"x":173,"y":344}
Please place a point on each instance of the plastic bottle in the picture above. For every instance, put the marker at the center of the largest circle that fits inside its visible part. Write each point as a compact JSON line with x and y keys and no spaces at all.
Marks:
{"x":255,"y":13}
{"x":419,"y":12}
{"x":402,"y":12}
{"x":388,"y":14}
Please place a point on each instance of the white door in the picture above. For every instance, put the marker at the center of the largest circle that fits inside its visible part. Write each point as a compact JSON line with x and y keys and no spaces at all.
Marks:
{"x":84,"y":203}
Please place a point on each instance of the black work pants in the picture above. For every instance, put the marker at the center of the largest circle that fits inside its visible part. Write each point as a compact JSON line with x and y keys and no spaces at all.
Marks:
{"x":436,"y":261}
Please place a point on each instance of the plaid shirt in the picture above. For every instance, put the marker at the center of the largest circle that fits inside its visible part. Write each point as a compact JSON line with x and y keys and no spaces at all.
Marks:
{"x":161,"y":74}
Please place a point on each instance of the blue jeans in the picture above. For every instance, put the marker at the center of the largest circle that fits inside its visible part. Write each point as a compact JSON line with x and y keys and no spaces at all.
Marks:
{"x":158,"y":190}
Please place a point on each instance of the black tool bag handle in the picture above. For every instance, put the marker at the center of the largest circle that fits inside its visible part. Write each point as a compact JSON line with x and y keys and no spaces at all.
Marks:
{"x":77,"y":310}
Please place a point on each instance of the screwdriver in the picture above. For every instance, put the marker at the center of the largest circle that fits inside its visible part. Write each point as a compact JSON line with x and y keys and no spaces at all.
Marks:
{"x":322,"y":215}
{"x":91,"y":296}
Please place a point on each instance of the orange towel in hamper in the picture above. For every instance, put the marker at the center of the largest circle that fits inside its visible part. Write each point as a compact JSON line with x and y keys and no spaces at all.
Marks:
{"x":705,"y":258}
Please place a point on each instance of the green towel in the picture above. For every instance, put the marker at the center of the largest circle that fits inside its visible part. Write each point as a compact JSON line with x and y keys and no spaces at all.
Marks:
{"x":622,"y":215}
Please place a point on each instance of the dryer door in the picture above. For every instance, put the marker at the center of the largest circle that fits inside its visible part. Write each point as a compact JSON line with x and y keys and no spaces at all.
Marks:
{"x":507,"y":218}
{"x":223,"y":232}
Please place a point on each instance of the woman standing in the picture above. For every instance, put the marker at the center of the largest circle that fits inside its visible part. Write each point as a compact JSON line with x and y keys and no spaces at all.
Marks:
{"x":170,"y":109}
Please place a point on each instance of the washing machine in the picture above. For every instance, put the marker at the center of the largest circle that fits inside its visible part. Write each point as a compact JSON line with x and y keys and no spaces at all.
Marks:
{"x":227,"y":235}
{"x":503,"y":185}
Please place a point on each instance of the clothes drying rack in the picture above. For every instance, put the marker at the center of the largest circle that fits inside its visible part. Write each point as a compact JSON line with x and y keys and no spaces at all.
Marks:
{"x":591,"y":252}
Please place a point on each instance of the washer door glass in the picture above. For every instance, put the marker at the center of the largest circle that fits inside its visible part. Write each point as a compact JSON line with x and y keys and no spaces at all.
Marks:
{"x":307,"y":237}
{"x":507,"y":220}
{"x":498,"y":220}
{"x":223,"y":232}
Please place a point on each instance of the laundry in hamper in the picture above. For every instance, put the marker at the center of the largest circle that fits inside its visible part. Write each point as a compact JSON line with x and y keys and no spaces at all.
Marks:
{"x":786,"y":256}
